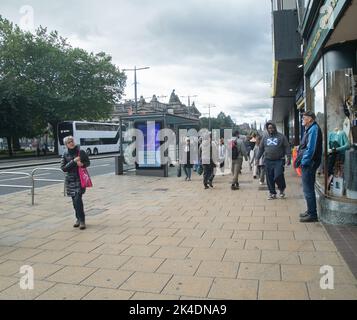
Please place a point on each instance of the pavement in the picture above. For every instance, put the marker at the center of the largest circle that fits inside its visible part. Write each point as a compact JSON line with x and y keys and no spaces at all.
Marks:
{"x":165,"y":238}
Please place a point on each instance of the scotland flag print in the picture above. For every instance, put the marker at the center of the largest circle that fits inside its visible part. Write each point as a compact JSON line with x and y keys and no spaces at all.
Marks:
{"x":272,"y":141}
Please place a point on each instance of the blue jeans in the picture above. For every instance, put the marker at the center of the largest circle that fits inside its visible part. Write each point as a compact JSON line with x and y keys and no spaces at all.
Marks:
{"x":275,"y":175}
{"x":187,"y":171}
{"x":308,"y":187}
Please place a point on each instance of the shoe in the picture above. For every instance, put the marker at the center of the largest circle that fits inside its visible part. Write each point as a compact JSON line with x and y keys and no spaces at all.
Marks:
{"x":303,"y":215}
{"x":261,"y":183}
{"x":189,"y":179}
{"x":281,"y":195}
{"x":76,"y":225}
{"x":308,"y":218}
{"x":186,"y":179}
{"x":254,"y":177}
{"x":210,"y":184}
{"x":272,"y":196}
{"x":206,"y":186}
{"x":82,"y":226}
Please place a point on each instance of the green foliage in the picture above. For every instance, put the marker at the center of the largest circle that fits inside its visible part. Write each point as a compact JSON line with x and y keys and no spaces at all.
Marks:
{"x":44,"y":80}
{"x":221,"y":122}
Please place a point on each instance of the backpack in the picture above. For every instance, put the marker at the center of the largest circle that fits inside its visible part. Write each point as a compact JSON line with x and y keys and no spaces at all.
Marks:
{"x":234,"y":150}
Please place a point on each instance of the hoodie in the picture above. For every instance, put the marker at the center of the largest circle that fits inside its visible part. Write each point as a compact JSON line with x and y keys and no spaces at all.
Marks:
{"x":274,"y":146}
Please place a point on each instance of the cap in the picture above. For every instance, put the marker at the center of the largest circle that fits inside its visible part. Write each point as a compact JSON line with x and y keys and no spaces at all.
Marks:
{"x":310,"y":114}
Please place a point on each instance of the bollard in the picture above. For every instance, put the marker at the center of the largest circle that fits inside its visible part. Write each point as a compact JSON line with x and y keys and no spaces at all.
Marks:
{"x":119,"y":165}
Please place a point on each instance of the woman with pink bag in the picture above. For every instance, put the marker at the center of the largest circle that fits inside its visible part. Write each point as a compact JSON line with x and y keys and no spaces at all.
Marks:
{"x":74,"y":162}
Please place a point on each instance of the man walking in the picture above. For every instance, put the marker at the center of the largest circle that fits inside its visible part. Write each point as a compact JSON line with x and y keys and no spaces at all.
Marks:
{"x":238,"y":151}
{"x":275,"y":147}
{"x":309,"y":159}
{"x":207,"y":151}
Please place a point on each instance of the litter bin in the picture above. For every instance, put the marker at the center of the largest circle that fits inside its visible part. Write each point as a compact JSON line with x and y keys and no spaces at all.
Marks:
{"x":119,"y":163}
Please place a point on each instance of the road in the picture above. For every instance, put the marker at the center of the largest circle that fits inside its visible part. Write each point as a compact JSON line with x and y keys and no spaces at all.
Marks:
{"x":98,"y":167}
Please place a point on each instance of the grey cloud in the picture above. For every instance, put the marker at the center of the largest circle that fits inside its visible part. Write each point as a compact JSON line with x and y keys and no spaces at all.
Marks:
{"x":221,"y":46}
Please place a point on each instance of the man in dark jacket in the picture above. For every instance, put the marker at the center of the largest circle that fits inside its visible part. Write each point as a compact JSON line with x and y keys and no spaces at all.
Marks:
{"x":309,"y":159}
{"x":275,"y":147}
{"x":207,"y":154}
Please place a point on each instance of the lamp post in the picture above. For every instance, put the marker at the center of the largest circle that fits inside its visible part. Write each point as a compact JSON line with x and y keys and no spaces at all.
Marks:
{"x":136,"y":84}
{"x":209,"y":115}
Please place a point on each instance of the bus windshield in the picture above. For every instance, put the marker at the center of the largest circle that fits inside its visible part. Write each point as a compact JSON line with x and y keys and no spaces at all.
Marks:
{"x":65,"y":129}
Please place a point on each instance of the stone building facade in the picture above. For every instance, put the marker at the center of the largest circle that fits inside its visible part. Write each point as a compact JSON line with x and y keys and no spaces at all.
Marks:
{"x":174,"y":106}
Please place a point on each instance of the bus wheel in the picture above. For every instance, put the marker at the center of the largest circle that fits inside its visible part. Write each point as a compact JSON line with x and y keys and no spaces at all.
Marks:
{"x":95,"y":151}
{"x":89,"y":152}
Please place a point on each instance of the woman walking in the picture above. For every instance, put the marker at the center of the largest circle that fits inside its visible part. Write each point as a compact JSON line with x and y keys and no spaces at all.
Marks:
{"x":72,"y":159}
{"x":187,"y":165}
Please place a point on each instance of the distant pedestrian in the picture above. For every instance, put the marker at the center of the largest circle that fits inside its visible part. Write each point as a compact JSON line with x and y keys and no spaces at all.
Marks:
{"x":206,"y":152}
{"x":38,"y":149}
{"x":222,"y":155}
{"x":186,"y":160}
{"x":275,"y":147}
{"x":44,"y":149}
{"x":237,"y":153}
{"x":72,"y":159}
{"x":309,"y":159}
{"x":254,"y":158}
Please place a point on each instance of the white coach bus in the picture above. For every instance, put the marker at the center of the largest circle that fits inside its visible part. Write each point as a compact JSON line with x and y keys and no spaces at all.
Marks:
{"x":93,"y":137}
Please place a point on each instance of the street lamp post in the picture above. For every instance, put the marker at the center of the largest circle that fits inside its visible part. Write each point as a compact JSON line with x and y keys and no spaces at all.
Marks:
{"x":136,"y":84}
{"x":209,"y":115}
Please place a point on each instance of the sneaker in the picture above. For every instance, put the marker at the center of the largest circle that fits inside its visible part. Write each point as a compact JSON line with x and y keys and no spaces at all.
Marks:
{"x":261,"y":183}
{"x":272,"y":196}
{"x":303,"y":215}
{"x":206,"y":186}
{"x":82,"y":226}
{"x":281,"y":195}
{"x":308,"y":218}
{"x":76,"y":225}
{"x":210,"y":184}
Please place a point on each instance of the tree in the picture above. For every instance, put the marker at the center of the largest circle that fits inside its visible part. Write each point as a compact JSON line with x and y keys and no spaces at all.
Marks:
{"x":44,"y":80}
{"x":221,"y":122}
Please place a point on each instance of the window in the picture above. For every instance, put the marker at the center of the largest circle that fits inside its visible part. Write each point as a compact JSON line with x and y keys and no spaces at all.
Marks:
{"x":97,"y":127}
{"x":318,"y":108}
{"x":284,"y":5}
{"x":340,"y":116}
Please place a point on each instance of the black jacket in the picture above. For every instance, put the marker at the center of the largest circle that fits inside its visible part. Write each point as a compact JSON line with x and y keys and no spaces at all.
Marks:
{"x":73,"y":183}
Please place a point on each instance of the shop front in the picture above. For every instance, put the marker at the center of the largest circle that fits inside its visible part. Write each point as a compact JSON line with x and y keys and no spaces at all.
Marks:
{"x":331,"y":92}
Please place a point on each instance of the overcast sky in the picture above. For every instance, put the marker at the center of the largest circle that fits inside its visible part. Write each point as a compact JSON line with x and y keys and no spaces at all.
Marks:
{"x":219,"y":50}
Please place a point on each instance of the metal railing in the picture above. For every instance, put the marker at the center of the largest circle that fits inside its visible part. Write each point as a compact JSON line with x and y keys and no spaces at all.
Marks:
{"x":33,"y":179}
{"x":47,"y":180}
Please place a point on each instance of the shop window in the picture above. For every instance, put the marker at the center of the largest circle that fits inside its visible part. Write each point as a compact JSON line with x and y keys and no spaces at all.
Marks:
{"x":341,"y":118}
{"x":318,"y":108}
